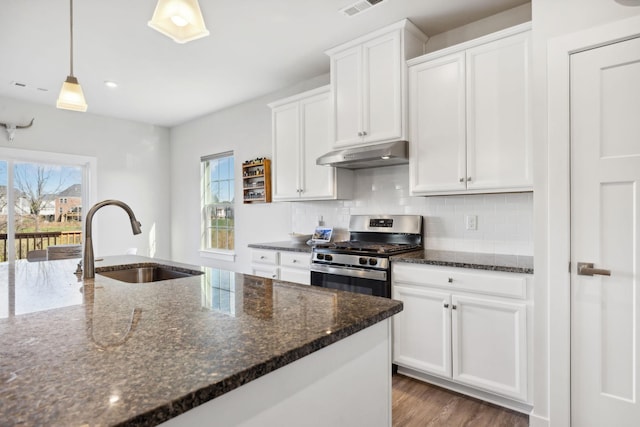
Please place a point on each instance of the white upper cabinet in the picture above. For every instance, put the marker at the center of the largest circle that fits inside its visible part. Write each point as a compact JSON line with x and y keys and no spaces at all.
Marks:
{"x":368,"y":85}
{"x":470,"y":116}
{"x":300,"y":135}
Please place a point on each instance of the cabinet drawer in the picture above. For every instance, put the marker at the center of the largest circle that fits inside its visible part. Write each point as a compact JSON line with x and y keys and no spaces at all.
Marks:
{"x":264,"y":256}
{"x":268,"y":271}
{"x":295,"y":259}
{"x":296,"y":275}
{"x":511,"y":285}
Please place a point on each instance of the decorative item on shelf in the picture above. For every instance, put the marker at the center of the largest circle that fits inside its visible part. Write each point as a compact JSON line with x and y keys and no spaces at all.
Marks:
{"x":256,"y":180}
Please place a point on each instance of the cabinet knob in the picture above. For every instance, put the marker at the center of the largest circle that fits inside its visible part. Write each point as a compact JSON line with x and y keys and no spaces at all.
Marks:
{"x":359,"y":133}
{"x":454,"y":306}
{"x":468,"y":179}
{"x":461,"y":179}
{"x":262,"y":257}
{"x":446,"y":305}
{"x":274,"y":276}
{"x":450,"y":280}
{"x":295,"y":260}
{"x":364,"y":133}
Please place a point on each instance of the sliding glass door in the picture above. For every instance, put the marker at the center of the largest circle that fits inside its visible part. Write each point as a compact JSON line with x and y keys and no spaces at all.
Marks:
{"x":42,"y":196}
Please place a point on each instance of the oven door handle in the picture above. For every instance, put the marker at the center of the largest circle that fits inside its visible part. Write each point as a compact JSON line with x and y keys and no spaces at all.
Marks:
{"x":363,"y":273}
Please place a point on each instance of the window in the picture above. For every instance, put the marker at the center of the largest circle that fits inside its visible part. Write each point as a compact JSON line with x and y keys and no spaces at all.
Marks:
{"x":217,"y":202}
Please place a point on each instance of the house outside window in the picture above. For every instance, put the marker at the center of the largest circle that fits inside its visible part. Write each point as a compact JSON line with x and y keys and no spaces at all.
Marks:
{"x":218,"y":224}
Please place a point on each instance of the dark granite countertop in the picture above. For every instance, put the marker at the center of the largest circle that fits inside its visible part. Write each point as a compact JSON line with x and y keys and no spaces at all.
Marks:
{"x":480,"y":261}
{"x":282,"y":246}
{"x":104,"y":352}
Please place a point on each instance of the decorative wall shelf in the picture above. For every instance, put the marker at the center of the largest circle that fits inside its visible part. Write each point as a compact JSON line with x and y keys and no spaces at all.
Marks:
{"x":256,"y":181}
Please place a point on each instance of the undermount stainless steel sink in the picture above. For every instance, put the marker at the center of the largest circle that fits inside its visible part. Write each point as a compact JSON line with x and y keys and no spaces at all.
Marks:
{"x":145,"y":274}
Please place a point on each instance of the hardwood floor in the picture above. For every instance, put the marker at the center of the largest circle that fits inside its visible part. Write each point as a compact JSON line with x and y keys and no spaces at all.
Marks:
{"x":419,"y":404}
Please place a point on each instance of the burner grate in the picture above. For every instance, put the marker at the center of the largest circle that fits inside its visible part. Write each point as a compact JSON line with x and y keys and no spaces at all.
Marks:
{"x":373,"y":247}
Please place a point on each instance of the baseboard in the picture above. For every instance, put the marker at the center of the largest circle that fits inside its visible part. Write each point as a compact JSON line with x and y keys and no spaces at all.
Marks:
{"x":514,"y":405}
{"x":538,"y":421}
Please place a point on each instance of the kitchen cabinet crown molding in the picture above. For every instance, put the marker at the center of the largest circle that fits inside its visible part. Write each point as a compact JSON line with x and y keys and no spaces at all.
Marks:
{"x":405,"y":24}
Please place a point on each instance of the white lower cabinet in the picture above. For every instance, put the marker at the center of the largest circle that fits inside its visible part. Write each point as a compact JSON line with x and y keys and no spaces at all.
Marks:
{"x":294,"y":267}
{"x":468,"y":335}
{"x":283,"y":265}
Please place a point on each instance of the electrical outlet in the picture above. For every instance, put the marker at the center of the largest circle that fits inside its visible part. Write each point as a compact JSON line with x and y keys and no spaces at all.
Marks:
{"x":471,"y":222}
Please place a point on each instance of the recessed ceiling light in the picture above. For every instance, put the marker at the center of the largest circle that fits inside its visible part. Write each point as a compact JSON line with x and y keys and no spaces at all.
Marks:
{"x":110,"y":84}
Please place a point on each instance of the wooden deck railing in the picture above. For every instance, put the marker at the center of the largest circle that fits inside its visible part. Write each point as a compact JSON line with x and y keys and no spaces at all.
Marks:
{"x":26,"y":242}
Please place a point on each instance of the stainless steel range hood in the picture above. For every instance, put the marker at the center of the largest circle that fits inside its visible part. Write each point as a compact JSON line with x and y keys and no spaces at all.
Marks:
{"x":386,"y":154}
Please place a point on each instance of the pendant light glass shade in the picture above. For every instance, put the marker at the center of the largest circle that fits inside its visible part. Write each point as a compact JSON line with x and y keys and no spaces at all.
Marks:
{"x":180,"y":20}
{"x":71,"y":96}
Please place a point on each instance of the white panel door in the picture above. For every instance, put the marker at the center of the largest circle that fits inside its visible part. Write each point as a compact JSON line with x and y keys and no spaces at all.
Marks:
{"x":605,"y":230}
{"x":382,"y":88}
{"x":346,"y":82}
{"x":489,"y":345}
{"x":286,"y":156}
{"x":422,"y":331}
{"x":437,"y":125}
{"x":317,"y":181}
{"x":498,"y":114}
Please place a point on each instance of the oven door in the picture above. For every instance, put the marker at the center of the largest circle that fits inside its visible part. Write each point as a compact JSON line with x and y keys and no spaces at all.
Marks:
{"x":353,"y":279}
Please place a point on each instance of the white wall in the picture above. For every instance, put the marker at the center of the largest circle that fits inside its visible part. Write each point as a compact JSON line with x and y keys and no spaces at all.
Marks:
{"x":553,"y":18}
{"x":245,"y":129}
{"x":132,"y":166}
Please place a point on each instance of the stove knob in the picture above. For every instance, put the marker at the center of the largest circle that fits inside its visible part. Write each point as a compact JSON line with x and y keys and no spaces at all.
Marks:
{"x":373,"y":261}
{"x":328,"y":257}
{"x":319,"y":256}
{"x":362,"y":261}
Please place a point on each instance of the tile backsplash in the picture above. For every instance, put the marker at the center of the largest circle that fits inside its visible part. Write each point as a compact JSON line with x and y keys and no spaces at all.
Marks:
{"x":504,"y":221}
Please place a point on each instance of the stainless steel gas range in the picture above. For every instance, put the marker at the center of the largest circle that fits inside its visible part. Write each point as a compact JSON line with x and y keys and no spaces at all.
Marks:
{"x":361,"y":264}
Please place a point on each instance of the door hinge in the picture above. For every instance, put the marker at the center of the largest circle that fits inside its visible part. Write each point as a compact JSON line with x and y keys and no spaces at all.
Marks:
{"x":569,"y":266}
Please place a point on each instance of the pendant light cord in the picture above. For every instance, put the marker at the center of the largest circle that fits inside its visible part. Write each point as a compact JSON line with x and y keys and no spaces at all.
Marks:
{"x":71,"y":38}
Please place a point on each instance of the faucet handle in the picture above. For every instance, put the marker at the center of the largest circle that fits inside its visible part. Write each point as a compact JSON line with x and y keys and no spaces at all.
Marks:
{"x":79,"y":268}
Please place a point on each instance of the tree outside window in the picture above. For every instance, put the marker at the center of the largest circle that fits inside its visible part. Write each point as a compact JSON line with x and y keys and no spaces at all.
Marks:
{"x":218,"y":201}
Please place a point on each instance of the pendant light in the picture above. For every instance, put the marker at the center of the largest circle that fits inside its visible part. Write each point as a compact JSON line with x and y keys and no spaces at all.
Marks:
{"x":180,"y":20}
{"x":71,"y":96}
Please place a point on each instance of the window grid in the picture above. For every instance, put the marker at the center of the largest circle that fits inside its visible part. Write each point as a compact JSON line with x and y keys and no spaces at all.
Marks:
{"x":218,"y":202}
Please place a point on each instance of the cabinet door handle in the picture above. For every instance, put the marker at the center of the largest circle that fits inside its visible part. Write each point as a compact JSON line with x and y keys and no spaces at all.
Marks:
{"x":450,"y":280}
{"x":446,"y":305}
{"x":454,"y":306}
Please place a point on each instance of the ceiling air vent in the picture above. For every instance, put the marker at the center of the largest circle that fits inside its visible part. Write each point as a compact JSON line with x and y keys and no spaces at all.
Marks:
{"x":359,"y":6}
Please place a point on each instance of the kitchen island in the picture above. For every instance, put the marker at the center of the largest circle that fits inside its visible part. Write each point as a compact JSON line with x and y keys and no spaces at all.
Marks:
{"x":224,"y":347}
